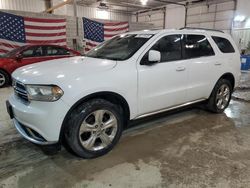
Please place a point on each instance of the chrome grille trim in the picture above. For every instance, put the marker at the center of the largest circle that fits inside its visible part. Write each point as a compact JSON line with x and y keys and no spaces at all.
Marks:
{"x":20,"y":90}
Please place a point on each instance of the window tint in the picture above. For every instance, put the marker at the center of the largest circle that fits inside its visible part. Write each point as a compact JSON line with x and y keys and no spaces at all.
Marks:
{"x":53,"y":50}
{"x":196,"y":46}
{"x":169,"y":47}
{"x":33,"y":52}
{"x":224,"y":45}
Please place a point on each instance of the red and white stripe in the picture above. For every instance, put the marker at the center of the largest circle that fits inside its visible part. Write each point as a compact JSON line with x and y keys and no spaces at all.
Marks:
{"x":110,"y":30}
{"x":45,"y":31}
{"x":6,"y":45}
{"x":39,"y":31}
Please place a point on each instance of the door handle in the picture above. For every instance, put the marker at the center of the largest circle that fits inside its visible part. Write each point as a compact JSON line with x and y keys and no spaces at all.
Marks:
{"x":217,"y":63}
{"x":180,"y":68}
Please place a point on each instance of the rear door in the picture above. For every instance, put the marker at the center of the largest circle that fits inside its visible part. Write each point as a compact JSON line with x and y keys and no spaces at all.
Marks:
{"x":163,"y":84}
{"x":200,"y":56}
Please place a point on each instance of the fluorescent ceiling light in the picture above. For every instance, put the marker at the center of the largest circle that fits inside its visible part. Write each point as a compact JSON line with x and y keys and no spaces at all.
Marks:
{"x":144,"y":2}
{"x":239,"y":18}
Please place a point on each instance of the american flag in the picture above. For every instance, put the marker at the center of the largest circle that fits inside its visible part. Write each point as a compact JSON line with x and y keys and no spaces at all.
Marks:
{"x":16,"y":31}
{"x":96,"y":32}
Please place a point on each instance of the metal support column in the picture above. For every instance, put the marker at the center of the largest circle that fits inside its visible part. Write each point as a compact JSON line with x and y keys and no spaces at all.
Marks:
{"x":75,"y":43}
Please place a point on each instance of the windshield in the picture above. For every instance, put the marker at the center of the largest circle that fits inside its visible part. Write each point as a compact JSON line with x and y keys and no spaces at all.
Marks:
{"x":13,"y":52}
{"x":120,"y":47}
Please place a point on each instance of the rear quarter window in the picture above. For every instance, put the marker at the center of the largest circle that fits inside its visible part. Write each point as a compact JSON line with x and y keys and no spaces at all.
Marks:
{"x":223,"y":44}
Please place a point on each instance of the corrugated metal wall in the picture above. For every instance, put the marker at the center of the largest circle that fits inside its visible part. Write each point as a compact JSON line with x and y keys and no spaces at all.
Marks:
{"x":23,"y":5}
{"x":39,"y":6}
{"x":91,"y":12}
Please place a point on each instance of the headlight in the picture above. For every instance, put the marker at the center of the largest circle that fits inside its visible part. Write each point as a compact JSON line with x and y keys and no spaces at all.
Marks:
{"x":48,"y":93}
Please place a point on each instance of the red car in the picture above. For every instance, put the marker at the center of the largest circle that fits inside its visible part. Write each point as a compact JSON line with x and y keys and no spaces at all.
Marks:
{"x":29,"y":54}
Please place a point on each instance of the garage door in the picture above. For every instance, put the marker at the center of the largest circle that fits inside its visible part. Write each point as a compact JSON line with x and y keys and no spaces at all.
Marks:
{"x":213,"y":16}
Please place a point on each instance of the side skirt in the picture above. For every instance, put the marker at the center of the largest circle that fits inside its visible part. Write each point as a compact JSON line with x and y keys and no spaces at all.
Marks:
{"x":170,"y":108}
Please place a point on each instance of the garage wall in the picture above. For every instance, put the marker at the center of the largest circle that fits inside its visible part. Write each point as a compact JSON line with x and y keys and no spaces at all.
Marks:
{"x":214,"y":16}
{"x":135,"y":26}
{"x":155,"y":18}
{"x":91,"y":12}
{"x":23,"y":5}
{"x":168,"y":17}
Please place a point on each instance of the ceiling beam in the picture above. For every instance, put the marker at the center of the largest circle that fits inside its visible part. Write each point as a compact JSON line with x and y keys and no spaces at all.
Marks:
{"x":58,"y":6}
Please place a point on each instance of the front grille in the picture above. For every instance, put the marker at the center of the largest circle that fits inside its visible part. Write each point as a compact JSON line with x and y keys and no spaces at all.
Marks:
{"x":20,"y":91}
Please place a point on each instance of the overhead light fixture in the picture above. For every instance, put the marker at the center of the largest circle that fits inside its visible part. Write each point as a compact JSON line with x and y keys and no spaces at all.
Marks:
{"x":144,"y":2}
{"x":239,"y":18}
{"x":102,"y":14}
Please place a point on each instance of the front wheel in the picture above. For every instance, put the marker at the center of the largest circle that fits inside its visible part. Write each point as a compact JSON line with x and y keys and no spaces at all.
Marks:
{"x":220,"y":97}
{"x":4,"y":79}
{"x":94,"y":128}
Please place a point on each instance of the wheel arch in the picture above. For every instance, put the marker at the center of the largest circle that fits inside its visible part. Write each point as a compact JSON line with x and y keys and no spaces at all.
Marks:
{"x":106,"y":95}
{"x":230,"y":77}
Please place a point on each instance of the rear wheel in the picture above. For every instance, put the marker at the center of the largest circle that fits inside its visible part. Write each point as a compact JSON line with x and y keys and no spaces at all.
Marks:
{"x":220,"y":97}
{"x":94,"y":128}
{"x":4,"y":78}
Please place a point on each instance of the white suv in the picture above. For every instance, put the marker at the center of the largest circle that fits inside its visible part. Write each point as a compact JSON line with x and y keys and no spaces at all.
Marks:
{"x":88,"y":100}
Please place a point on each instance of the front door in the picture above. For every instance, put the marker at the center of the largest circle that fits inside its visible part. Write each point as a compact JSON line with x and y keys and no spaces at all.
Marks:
{"x":164,"y":84}
{"x":33,"y":54}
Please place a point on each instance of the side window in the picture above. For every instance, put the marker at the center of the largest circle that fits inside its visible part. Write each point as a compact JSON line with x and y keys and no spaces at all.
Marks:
{"x":169,"y":47}
{"x":224,"y":45}
{"x":195,"y":46}
{"x":52,"y":50}
{"x":33,"y":52}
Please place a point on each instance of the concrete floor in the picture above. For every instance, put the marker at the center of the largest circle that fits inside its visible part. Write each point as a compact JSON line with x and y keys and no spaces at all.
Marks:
{"x":191,"y":148}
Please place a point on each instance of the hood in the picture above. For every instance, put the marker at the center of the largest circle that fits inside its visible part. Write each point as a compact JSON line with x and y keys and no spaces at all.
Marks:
{"x":66,"y":69}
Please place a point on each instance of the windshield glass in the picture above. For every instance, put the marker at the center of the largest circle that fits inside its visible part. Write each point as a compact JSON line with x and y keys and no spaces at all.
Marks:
{"x":12,"y":52}
{"x":120,"y":47}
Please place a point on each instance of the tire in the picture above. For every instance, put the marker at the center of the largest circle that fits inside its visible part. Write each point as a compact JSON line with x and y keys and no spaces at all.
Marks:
{"x":4,"y":79}
{"x":89,"y":132}
{"x":220,"y":97}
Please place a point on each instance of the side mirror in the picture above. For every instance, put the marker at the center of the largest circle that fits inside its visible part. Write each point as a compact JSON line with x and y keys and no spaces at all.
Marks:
{"x":19,"y":57}
{"x":151,"y":58}
{"x":154,"y":56}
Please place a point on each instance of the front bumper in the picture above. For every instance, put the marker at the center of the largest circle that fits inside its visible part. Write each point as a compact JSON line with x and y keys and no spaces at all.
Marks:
{"x":38,"y":122}
{"x":30,"y":136}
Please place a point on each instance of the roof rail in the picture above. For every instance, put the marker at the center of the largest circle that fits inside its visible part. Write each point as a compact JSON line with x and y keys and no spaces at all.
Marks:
{"x":198,"y":28}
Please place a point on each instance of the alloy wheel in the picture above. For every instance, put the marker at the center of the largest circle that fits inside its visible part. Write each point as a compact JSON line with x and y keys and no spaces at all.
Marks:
{"x":98,"y":130}
{"x":222,"y":97}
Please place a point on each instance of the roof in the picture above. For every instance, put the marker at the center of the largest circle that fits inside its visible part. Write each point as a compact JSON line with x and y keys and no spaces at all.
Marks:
{"x":152,"y":32}
{"x":181,"y":31}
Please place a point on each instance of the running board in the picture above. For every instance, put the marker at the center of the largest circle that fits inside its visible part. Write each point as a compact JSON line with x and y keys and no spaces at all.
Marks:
{"x":171,"y":108}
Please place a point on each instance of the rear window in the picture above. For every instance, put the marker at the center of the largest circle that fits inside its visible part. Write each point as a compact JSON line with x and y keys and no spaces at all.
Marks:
{"x":224,"y":45}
